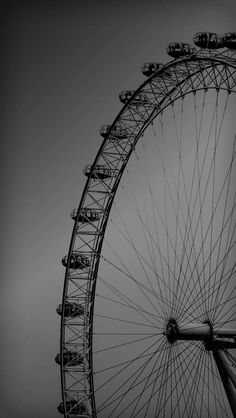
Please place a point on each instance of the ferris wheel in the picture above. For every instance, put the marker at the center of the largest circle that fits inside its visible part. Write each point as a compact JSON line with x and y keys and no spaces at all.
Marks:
{"x":148,"y":313}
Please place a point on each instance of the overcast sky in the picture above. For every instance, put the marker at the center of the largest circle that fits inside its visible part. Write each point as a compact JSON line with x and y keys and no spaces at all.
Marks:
{"x":63,"y":64}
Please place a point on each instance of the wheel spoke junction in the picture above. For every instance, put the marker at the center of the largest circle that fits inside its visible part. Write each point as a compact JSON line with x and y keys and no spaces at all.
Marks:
{"x":148,"y":313}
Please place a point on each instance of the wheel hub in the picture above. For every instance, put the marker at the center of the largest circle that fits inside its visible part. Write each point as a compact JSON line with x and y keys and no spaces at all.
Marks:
{"x":188,"y":331}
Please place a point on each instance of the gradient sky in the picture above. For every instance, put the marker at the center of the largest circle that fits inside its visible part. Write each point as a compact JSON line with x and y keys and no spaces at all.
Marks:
{"x":63,"y":64}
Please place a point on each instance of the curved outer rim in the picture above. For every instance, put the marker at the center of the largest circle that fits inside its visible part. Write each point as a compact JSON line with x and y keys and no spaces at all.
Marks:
{"x":202,"y":60}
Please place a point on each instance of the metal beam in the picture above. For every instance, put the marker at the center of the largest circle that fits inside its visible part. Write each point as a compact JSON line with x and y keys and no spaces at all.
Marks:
{"x":227,"y":375}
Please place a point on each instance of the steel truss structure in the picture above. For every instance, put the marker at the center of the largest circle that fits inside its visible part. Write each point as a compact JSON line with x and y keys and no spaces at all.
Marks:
{"x":201,"y":70}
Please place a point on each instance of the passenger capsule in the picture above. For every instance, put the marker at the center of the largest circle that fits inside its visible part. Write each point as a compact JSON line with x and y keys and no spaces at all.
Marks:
{"x":116,"y":133}
{"x":150,"y":68}
{"x":76,"y":261}
{"x":229,"y":40}
{"x":179,"y":49}
{"x":69,"y":358}
{"x":71,"y":309}
{"x":208,"y":40}
{"x":73,"y":407}
{"x":104,"y":130}
{"x":138,"y":99}
{"x":99,"y":172}
{"x":86,"y":215}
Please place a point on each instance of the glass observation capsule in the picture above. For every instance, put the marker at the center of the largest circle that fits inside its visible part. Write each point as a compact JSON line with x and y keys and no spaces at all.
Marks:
{"x":69,"y":358}
{"x":99,"y":172}
{"x":71,"y":309}
{"x":76,"y":261}
{"x":116,"y":133}
{"x":229,"y":40}
{"x":150,"y":68}
{"x":208,"y":40}
{"x":179,"y":49}
{"x":86,"y":215}
{"x":73,"y":407}
{"x":139,"y":98}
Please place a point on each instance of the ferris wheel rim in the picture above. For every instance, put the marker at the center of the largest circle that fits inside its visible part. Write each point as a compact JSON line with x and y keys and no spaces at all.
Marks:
{"x":208,"y":60}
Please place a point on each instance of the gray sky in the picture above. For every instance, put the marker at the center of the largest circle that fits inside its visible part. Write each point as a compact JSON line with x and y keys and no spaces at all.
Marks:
{"x":63,"y":65}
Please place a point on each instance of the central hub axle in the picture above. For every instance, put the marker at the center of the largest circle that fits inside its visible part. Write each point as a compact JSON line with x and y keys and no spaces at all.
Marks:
{"x":187,"y":331}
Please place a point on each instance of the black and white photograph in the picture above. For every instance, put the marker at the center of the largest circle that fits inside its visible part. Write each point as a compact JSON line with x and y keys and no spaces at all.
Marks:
{"x":118,"y":173}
